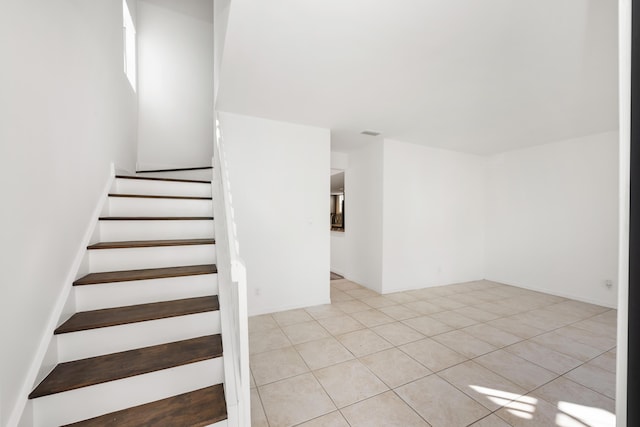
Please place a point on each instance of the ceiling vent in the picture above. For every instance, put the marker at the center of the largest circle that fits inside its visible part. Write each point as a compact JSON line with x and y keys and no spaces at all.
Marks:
{"x":370,"y":132}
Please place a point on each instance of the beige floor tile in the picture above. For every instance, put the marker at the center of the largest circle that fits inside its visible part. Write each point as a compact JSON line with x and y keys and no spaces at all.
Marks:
{"x":401,"y":297}
{"x":422,"y":294}
{"x":566,"y":345}
{"x":427,"y":325}
{"x":498,"y":309}
{"x":394,"y":367}
{"x":446,"y":303}
{"x":444,"y":291}
{"x":545,"y":319}
{"x":595,"y":378}
{"x":258,"y":418}
{"x":323,"y":352}
{"x":345,"y":285}
{"x":577,"y":308}
{"x":270,"y":339}
{"x":549,"y":359}
{"x":398,"y":333}
{"x":349,"y":382}
{"x":494,"y":336}
{"x":464,"y":298}
{"x":304,"y":332}
{"x":384,"y":410}
{"x":607,"y":361}
{"x":352,"y":306}
{"x":341,"y":324}
{"x":453,"y":319}
{"x":484,"y":295}
{"x":423,"y":307}
{"x":399,"y":312}
{"x":476,"y":314}
{"x":379,"y":301}
{"x":571,"y":396}
{"x":518,"y":370}
{"x":486,"y":387}
{"x":441,"y":404}
{"x":515,"y":327}
{"x":529,"y":411}
{"x":464,"y":343}
{"x":295,"y":400}
{"x":432,"y":354}
{"x":291,"y":317}
{"x":324,"y":311}
{"x":252,"y":382}
{"x":522,"y":303}
{"x":334,"y":419}
{"x":339,"y":296}
{"x":261,"y":323}
{"x":589,"y":338}
{"x":371,"y":318}
{"x":362,"y":293}
{"x":609,"y":318}
{"x":364,"y":342}
{"x":490,"y":421}
{"x":596,"y":327}
{"x":276,"y":365}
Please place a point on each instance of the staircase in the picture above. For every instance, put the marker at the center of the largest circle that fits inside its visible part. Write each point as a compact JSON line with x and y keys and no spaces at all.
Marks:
{"x":144,"y":346}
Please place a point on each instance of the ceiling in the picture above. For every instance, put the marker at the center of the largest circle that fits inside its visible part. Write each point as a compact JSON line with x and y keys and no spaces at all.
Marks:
{"x":479,"y":76}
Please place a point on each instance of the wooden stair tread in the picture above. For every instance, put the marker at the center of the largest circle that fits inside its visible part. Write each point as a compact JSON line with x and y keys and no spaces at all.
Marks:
{"x":156,"y":218}
{"x":103,"y":318}
{"x":151,"y":243}
{"x":100,"y":369}
{"x":177,"y":169}
{"x":144,"y":274}
{"x":151,"y":178}
{"x":195,"y":409}
{"x":153,"y":196}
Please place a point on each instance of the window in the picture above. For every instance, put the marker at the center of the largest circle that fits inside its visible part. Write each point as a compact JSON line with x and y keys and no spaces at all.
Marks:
{"x":129,"y":36}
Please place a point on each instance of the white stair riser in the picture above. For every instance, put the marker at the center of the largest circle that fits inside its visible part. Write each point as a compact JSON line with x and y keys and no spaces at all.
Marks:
{"x":160,"y":188}
{"x":96,"y":342}
{"x":118,"y":231}
{"x":134,"y":206}
{"x":101,"y":260}
{"x":108,"y":295}
{"x":88,"y":402}
{"x":201,"y":174}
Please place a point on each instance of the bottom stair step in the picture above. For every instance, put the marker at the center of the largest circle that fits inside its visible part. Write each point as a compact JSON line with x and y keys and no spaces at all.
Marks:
{"x":197,"y":408}
{"x":96,"y":370}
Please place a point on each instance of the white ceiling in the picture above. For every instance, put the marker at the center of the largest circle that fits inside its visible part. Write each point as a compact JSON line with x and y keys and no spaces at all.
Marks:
{"x":480,"y":76}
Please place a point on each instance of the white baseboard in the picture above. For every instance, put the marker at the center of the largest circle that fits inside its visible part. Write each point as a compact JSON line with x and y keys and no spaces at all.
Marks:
{"x":58,"y":307}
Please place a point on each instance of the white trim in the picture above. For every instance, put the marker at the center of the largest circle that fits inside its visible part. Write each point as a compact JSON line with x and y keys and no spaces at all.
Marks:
{"x":54,"y":317}
{"x":624,"y":56}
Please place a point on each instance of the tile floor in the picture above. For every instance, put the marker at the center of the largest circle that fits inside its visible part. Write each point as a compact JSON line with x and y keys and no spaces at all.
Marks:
{"x":476,"y":354}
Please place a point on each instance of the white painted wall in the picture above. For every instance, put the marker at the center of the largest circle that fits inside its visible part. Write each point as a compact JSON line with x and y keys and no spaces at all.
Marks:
{"x":66,"y":112}
{"x":175,"y":65}
{"x":279,"y":178}
{"x":358,"y":254}
{"x":433,"y":217}
{"x":220,"y":20}
{"x":552,"y":218}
